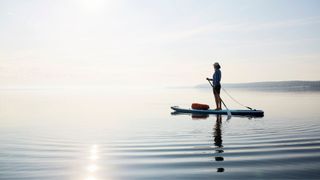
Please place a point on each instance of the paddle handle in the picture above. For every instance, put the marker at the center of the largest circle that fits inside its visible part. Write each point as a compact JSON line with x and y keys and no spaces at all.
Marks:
{"x":210,"y":82}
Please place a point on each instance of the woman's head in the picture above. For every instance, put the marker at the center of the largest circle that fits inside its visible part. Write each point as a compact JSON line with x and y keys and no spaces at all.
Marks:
{"x":216,"y":65}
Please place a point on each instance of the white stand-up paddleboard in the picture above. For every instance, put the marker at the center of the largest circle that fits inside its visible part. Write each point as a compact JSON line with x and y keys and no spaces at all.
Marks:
{"x":254,"y":112}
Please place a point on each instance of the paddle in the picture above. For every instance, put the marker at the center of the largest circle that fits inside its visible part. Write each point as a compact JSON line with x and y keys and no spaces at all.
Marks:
{"x":228,"y":111}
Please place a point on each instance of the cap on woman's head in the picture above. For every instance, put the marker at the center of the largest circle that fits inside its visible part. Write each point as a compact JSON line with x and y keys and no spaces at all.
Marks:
{"x":217,"y":65}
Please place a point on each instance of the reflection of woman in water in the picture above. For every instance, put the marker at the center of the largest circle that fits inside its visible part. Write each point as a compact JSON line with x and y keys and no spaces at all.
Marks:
{"x":217,"y":132}
{"x":218,"y":141}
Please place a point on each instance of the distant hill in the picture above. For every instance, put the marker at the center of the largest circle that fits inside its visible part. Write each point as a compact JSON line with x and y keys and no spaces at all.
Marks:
{"x":272,"y":86}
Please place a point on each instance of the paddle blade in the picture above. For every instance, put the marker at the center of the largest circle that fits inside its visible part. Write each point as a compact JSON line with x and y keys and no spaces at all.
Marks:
{"x":229,"y":115}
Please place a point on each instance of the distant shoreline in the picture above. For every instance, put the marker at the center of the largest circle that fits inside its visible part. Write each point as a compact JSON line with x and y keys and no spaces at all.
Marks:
{"x":272,"y":86}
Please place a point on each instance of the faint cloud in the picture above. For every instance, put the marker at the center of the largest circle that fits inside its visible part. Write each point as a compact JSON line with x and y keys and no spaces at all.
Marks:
{"x":10,"y":13}
{"x":285,"y":24}
{"x":241,"y":27}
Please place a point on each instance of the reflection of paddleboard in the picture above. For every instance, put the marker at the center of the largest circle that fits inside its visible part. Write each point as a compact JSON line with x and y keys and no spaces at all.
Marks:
{"x":257,"y":113}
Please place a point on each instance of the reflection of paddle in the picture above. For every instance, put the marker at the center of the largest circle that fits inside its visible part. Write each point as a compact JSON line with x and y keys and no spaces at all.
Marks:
{"x":228,"y":111}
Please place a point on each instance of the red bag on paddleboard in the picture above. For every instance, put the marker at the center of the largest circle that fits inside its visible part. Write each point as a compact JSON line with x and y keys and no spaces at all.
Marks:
{"x":199,"y":106}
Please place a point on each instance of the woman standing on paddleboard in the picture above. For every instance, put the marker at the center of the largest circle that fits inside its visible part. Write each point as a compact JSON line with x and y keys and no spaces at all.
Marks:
{"x":216,"y":78}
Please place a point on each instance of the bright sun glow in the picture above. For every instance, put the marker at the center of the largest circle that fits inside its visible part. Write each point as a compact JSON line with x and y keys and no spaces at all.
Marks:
{"x":92,"y":6}
{"x":93,"y":157}
{"x":92,"y":168}
{"x":93,"y":149}
{"x":91,"y":178}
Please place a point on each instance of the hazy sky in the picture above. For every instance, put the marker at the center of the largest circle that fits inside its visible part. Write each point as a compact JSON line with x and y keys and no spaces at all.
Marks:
{"x":152,"y":43}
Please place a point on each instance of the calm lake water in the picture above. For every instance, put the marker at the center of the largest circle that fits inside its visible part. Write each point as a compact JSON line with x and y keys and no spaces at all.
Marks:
{"x":130,"y":134}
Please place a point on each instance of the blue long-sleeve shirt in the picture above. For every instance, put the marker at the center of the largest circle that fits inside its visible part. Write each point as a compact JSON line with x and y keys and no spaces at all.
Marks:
{"x":216,"y":78}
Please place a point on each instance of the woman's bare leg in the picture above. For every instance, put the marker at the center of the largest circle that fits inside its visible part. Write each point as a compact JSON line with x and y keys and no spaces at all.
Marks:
{"x":216,"y":97}
{"x":219,"y":101}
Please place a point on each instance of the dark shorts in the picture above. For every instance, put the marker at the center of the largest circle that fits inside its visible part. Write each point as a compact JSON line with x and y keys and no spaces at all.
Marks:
{"x":217,"y":89}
